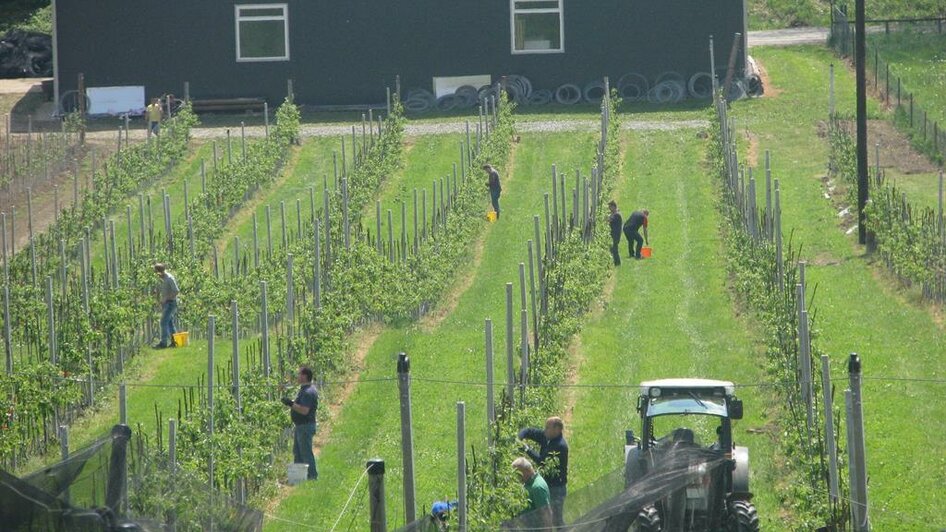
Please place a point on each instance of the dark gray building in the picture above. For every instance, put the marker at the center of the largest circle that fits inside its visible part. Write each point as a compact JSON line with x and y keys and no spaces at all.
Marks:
{"x":346,"y":52}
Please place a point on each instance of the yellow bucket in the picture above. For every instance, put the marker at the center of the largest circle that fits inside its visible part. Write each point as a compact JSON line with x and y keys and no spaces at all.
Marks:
{"x":491,"y":216}
{"x":181,"y":339}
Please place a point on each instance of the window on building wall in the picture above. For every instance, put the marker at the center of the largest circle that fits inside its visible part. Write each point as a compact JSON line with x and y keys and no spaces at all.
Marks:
{"x":537,"y":26}
{"x":262,"y":32}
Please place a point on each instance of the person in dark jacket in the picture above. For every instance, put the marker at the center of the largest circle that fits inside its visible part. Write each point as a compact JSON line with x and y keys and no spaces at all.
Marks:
{"x":495,"y":188}
{"x":615,"y":221}
{"x":552,"y":458}
{"x":635,"y":222}
{"x":302,"y":412}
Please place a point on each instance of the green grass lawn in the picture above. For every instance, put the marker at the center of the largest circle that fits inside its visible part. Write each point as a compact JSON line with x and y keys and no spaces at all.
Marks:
{"x":858,"y":309}
{"x":922,"y":189}
{"x":768,"y":14}
{"x":368,"y":424}
{"x":920,"y":61}
{"x":311,"y":166}
{"x":669,"y":316}
{"x":427,"y":159}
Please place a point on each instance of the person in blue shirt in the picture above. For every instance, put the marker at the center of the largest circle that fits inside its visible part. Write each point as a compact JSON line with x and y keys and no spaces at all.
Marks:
{"x":302,"y":411}
{"x":552,"y":458}
{"x":495,"y":187}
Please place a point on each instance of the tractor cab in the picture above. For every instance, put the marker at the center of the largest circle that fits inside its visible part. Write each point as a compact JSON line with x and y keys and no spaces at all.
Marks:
{"x":686,"y":455}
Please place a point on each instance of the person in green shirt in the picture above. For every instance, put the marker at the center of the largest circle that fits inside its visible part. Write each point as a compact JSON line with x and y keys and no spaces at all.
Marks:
{"x":539,"y":509}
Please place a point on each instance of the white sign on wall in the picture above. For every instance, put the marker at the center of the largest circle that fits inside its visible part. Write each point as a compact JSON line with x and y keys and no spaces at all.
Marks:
{"x":116,"y":100}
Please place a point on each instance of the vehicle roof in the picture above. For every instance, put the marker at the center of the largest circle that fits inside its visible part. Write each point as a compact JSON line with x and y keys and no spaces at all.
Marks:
{"x":687,"y":383}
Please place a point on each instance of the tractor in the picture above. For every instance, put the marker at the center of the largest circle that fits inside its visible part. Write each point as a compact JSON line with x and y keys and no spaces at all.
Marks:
{"x":683,"y":484}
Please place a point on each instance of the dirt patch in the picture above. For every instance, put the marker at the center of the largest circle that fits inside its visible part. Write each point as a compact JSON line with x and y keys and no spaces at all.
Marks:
{"x":824,"y":259}
{"x":771,"y":91}
{"x":896,"y":152}
{"x":752,"y":154}
{"x":44,"y":205}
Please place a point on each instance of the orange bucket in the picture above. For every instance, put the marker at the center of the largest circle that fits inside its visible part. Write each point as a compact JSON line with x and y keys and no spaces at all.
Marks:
{"x":645,"y":252}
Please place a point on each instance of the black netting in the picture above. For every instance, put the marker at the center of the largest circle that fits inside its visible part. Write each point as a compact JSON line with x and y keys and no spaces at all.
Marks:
{"x":117,"y":483}
{"x":682,"y":486}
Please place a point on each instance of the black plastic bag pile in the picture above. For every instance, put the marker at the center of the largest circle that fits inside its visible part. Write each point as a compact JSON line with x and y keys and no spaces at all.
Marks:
{"x":26,"y":54}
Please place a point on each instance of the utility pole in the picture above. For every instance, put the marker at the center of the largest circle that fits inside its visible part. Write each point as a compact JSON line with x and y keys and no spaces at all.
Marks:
{"x":860,"y":58}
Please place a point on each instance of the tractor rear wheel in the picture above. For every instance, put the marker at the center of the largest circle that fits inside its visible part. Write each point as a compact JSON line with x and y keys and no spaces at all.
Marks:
{"x":648,"y":520}
{"x":743,"y":517}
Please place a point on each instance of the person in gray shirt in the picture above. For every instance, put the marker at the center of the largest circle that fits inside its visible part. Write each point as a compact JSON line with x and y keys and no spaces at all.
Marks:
{"x":167,"y":298}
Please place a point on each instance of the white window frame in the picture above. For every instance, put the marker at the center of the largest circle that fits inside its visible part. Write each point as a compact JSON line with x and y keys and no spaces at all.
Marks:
{"x":237,"y":18}
{"x":560,"y":10}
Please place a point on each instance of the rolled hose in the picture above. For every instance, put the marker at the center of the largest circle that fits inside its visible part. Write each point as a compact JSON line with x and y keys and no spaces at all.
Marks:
{"x":518,"y":87}
{"x":568,"y":94}
{"x":467,"y":96}
{"x":737,"y":90}
{"x":448,"y":102}
{"x":633,"y":87}
{"x":594,"y":92}
{"x":700,"y":85}
{"x":668,"y":91}
{"x":419,"y":100}
{"x":671,"y":76}
{"x":540,"y":97}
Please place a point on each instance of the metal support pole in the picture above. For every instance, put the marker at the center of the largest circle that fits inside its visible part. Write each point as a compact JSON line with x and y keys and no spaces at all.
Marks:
{"x":858,"y":459}
{"x":523,"y":352}
{"x":264,"y":329}
{"x":51,"y":322}
{"x":345,"y":220}
{"x":7,"y":346}
{"x":407,"y":434}
{"x":211,"y":336}
{"x":861,"y":114}
{"x":829,"y":441}
{"x":64,"y":452}
{"x":172,"y":445}
{"x":510,"y":370}
{"x":490,"y":400}
{"x":290,"y":295}
{"x":235,"y":331}
{"x":461,"y":467}
{"x":379,"y":520}
{"x":317,"y":266}
{"x":122,"y":404}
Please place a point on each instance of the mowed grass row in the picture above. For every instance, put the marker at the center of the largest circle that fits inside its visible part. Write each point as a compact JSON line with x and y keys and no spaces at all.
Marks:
{"x":429,"y":158}
{"x":310,"y":166}
{"x":858,"y":307}
{"x":447,"y":349}
{"x":669,"y":316}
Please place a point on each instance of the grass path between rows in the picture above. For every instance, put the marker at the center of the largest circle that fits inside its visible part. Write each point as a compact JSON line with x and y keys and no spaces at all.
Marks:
{"x":429,"y":158}
{"x":452,"y":348}
{"x":308,"y":166}
{"x":858,"y":308}
{"x":666,"y":317}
